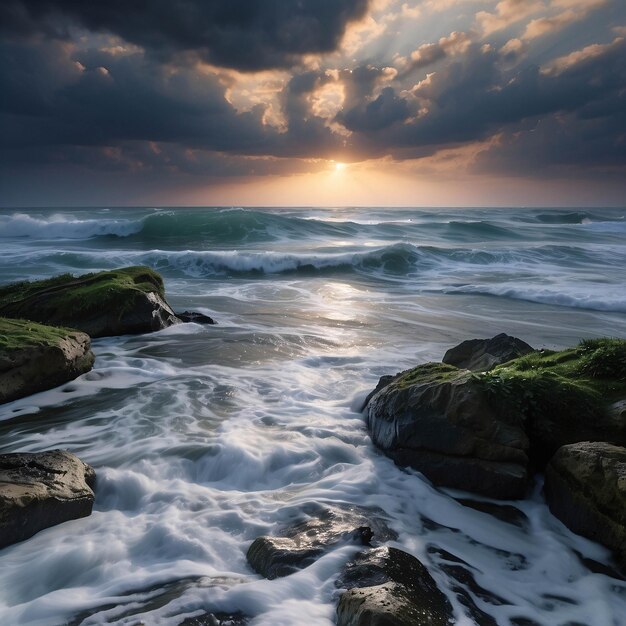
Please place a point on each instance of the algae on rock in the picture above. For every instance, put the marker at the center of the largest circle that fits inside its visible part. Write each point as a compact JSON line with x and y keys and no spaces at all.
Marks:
{"x":35,"y":357}
{"x":563,"y":397}
{"x":121,"y":301}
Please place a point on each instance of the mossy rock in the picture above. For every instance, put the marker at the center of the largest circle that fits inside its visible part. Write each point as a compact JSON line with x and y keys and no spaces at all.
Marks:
{"x":585,"y":488}
{"x":123,"y":301}
{"x":563,"y":397}
{"x":34,"y":357}
{"x":486,"y":432}
{"x":437,"y":419}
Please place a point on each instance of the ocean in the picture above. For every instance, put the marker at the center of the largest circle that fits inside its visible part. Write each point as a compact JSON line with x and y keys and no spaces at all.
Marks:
{"x":205,"y":437}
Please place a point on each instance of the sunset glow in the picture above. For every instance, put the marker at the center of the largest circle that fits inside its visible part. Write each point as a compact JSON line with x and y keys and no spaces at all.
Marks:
{"x":492,"y":95}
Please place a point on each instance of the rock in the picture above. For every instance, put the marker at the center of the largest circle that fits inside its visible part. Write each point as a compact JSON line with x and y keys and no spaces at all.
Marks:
{"x":504,"y":512}
{"x":124,"y":301}
{"x":383,"y":382}
{"x":585,"y":487}
{"x":216,"y":619}
{"x":34,"y":357}
{"x":196,"y":318}
{"x":303,"y":543}
{"x":564,"y":397}
{"x":389,"y":587}
{"x":438,"y":420}
{"x":483,"y":354}
{"x":41,"y":490}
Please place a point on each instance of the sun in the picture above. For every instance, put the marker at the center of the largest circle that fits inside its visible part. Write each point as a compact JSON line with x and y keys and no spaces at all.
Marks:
{"x":339,"y":166}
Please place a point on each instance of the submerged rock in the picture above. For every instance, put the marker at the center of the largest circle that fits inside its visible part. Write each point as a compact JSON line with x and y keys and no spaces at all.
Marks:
{"x":123,"y":301}
{"x":389,"y":587}
{"x":303,"y":543}
{"x":585,"y":488}
{"x":437,"y":419}
{"x":483,"y":354}
{"x":34,"y":357}
{"x":38,"y":490}
{"x":216,"y":619}
{"x":195,"y":317}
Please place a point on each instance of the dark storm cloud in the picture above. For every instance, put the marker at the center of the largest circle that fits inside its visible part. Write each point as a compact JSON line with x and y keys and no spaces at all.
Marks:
{"x":127,"y":102}
{"x":474,"y":98}
{"x":379,"y":113}
{"x":242,"y":34}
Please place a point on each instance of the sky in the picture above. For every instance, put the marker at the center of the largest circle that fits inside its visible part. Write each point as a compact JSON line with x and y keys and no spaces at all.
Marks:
{"x":313,"y":102}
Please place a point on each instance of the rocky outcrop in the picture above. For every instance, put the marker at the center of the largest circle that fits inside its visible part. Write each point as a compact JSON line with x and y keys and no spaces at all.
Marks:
{"x":303,"y":543}
{"x":41,"y":490}
{"x":438,"y":420}
{"x":34,"y":357}
{"x":124,"y":301}
{"x":487,"y":432}
{"x":585,"y":487}
{"x":389,"y":587}
{"x":482,"y":354}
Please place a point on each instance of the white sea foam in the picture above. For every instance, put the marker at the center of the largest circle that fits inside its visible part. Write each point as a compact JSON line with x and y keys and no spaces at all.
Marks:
{"x":204,"y":438}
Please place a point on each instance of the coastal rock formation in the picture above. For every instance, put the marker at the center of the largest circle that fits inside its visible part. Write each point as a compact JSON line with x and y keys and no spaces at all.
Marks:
{"x":483,"y":354}
{"x":34,"y":357}
{"x":485,"y":432}
{"x":437,"y":419}
{"x":585,"y":488}
{"x":41,"y":490}
{"x":124,"y":301}
{"x":303,"y":543}
{"x":387,"y":586}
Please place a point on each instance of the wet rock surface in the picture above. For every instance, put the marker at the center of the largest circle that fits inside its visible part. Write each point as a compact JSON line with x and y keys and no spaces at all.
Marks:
{"x":585,"y":487}
{"x":504,"y":512}
{"x":35,"y":357}
{"x":39,"y":490}
{"x":436,"y":419}
{"x":195,"y":318}
{"x":301,"y":544}
{"x":482,"y":354}
{"x":216,"y":619}
{"x":385,"y":587}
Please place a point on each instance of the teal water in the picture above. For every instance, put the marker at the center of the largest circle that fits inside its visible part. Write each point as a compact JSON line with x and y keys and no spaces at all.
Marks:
{"x":205,"y":437}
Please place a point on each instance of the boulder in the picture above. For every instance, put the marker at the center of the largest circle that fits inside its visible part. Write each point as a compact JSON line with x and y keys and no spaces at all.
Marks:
{"x":38,"y":490}
{"x":124,"y":301}
{"x":585,"y":487}
{"x":438,"y":419}
{"x":487,"y":432}
{"x":389,"y":587}
{"x":303,"y":543}
{"x":563,"y":397}
{"x":483,"y":354}
{"x":34,"y":357}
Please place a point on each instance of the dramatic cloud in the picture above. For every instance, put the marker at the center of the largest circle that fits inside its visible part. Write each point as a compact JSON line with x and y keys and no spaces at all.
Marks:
{"x":244,"y":34}
{"x":169,"y":92}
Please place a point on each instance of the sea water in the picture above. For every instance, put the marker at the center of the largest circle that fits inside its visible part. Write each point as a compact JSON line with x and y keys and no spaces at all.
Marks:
{"x":205,"y":437}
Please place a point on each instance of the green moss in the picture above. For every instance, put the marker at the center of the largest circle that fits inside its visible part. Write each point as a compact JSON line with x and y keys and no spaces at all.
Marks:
{"x":19,"y":334}
{"x":429,"y":373}
{"x":580,"y":380}
{"x":67,"y":297}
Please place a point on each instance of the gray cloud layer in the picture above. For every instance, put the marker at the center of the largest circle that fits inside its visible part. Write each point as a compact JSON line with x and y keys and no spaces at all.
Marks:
{"x":70,"y":102}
